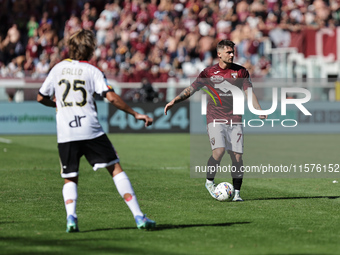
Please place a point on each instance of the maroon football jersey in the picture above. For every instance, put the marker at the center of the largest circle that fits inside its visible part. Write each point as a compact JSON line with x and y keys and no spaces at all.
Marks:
{"x":212,"y":77}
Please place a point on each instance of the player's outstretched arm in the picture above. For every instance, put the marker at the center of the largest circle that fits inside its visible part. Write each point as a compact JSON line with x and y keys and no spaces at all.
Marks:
{"x":46,"y":101}
{"x":118,"y":102}
{"x":256,"y":104}
{"x":186,"y":93}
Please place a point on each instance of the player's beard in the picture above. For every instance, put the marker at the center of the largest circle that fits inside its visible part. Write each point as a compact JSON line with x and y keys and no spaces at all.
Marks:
{"x":228,"y":63}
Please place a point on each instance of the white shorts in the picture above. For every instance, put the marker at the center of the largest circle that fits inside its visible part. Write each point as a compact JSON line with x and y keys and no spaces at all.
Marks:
{"x":225,"y":136}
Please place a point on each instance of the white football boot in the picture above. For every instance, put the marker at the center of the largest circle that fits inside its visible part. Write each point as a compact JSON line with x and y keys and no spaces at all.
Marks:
{"x":210,"y":186}
{"x":237,"y":197}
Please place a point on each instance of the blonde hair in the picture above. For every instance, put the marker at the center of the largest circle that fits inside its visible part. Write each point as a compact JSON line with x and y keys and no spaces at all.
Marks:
{"x":81,"y":45}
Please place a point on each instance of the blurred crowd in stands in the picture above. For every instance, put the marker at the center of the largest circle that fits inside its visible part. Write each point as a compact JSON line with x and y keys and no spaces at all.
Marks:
{"x":152,"y":39}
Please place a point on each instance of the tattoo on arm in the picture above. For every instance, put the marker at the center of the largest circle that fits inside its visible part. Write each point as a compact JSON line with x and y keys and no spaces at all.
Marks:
{"x":186,"y":93}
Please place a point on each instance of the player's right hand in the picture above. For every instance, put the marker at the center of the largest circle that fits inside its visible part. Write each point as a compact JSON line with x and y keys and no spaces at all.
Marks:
{"x":148,"y":121}
{"x":168,"y":106}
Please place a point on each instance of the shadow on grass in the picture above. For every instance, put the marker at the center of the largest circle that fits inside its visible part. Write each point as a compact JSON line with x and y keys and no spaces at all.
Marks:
{"x":287,"y":198}
{"x":303,"y":253}
{"x":171,"y":226}
{"x":74,"y":245}
{"x":8,"y":222}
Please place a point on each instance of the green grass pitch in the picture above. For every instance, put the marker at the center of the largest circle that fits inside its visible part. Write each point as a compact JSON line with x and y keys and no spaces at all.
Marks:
{"x":279,"y":216}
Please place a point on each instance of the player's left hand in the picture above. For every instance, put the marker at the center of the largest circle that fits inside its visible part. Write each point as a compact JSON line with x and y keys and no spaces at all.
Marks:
{"x":148,"y":121}
{"x":168,"y":106}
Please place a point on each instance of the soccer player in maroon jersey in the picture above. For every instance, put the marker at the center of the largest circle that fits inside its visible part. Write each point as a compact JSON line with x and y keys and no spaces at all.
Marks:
{"x":226,"y":136}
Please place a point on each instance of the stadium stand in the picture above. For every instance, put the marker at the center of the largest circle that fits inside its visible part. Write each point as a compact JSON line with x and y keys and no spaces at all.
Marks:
{"x":162,"y":39}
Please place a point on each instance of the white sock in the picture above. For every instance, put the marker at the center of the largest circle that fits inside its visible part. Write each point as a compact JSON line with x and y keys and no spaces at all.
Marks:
{"x":237,"y":192}
{"x":208,"y":181}
{"x":70,"y":193}
{"x":124,"y":186}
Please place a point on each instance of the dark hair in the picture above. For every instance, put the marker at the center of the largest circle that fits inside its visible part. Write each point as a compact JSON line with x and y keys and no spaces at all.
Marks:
{"x":81,"y":45}
{"x":225,"y":43}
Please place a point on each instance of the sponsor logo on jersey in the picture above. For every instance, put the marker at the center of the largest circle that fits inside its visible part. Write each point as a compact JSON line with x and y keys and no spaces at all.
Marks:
{"x":216,"y":78}
{"x":234,"y":76}
{"x":217,"y":72}
{"x":76,"y":122}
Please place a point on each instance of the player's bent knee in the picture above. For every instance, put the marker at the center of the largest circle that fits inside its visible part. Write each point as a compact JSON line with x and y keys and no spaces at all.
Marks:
{"x":238,"y":157}
{"x":235,"y":156}
{"x":114,"y":169}
{"x":218,"y":153}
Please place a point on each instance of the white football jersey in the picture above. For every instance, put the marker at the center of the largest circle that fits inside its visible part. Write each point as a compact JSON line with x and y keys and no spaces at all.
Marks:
{"x":73,"y":83}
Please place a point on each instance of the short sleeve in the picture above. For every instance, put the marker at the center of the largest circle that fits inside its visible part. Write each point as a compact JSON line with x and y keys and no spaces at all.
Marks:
{"x":200,"y":81}
{"x":47,"y":88}
{"x":246,"y":81}
{"x":101,"y":84}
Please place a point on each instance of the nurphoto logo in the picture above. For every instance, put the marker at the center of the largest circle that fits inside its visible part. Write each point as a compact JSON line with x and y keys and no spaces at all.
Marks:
{"x":238,"y":103}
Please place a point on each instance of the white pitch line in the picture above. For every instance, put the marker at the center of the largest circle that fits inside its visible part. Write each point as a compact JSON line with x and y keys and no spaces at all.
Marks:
{"x":4,"y":140}
{"x":174,"y":167}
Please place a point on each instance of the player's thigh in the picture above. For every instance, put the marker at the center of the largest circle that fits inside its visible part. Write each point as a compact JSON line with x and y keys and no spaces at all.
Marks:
{"x":100,"y":152}
{"x":216,"y":135}
{"x":235,"y":138}
{"x":69,"y":156}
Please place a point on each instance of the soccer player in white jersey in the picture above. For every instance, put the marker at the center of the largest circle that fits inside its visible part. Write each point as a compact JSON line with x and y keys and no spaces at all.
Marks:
{"x":227,"y":136}
{"x":74,"y":82}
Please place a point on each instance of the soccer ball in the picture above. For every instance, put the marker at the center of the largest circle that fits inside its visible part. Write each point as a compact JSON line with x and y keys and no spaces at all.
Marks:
{"x":224,"y":191}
